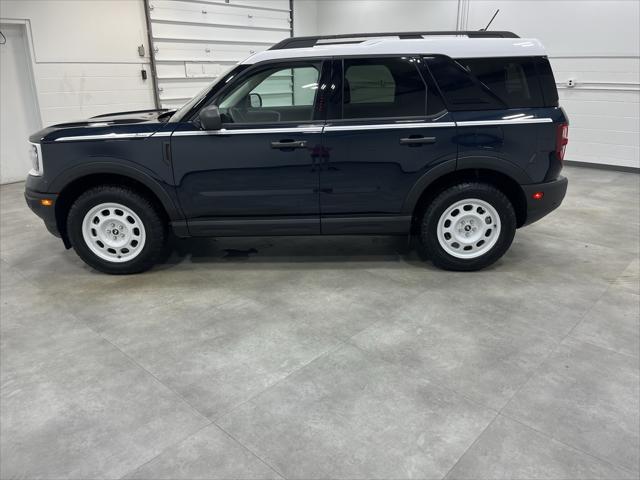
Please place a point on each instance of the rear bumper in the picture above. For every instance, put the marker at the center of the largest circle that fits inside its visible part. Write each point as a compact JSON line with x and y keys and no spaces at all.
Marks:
{"x":46,"y":213}
{"x":554,"y":193}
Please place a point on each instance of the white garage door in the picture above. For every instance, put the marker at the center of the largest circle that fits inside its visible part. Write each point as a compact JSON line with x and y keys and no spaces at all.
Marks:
{"x":194,"y":41}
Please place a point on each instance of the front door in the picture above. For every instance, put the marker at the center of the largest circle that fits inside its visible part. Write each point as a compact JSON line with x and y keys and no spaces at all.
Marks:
{"x":387,"y":127}
{"x":258,"y":174}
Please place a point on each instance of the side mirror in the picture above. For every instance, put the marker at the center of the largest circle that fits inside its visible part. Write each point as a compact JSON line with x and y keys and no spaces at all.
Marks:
{"x":255,"y":100}
{"x":210,"y":118}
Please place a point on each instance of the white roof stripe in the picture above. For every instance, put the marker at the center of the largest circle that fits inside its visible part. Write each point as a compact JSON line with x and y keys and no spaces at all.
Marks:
{"x":455,"y":47}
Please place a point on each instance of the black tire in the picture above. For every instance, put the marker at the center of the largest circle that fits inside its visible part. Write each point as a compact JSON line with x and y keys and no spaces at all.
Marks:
{"x":456,"y":193}
{"x":154,"y":226}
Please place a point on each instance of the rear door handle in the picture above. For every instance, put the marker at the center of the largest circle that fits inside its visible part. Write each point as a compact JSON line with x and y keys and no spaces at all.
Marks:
{"x":417,"y":140}
{"x":289,"y":144}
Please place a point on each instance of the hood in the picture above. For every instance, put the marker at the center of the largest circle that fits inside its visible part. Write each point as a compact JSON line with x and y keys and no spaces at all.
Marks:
{"x":133,"y":122}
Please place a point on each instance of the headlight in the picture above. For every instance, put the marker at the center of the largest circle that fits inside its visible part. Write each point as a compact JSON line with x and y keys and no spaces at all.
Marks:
{"x":35,"y":152}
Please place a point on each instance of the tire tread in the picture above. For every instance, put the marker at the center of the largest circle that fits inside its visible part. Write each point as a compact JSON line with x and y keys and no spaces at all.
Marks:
{"x":153,"y":222}
{"x":428,"y":226}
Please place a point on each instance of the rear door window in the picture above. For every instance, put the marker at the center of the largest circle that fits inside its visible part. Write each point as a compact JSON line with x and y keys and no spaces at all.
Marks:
{"x":382,"y":88}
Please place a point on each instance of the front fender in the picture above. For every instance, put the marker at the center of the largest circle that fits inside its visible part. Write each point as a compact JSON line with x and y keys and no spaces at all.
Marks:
{"x":105,"y":166}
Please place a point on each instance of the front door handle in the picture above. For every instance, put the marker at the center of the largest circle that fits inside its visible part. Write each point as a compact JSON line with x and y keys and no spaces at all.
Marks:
{"x":417,"y":140}
{"x":286,"y":144}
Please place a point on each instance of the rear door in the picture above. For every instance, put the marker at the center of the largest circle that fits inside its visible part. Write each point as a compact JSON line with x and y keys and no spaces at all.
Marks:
{"x":386,"y":128}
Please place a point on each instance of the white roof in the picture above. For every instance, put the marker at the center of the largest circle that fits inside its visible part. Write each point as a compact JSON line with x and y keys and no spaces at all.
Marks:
{"x":455,"y":47}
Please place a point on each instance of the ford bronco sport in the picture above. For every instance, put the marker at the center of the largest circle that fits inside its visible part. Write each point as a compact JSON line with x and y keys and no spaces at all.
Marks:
{"x":456,"y":137}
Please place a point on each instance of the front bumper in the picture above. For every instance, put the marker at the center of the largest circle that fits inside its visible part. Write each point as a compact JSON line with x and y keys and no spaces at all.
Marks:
{"x":46,"y":213}
{"x":553,"y":194}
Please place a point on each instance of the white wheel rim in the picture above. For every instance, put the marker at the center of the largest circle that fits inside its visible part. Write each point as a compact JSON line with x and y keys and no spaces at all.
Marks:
{"x":469,"y":228}
{"x":113,"y":232}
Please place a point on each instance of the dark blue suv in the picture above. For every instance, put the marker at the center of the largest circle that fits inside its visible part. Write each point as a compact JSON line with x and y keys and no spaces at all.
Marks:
{"x":456,"y":137}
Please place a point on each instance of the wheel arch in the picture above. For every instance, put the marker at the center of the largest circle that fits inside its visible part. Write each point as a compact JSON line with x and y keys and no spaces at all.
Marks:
{"x":71,"y":184}
{"x":437,"y":183}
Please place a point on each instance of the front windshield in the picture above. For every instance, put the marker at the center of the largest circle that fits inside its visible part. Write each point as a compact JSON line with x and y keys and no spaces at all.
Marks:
{"x":182,"y":111}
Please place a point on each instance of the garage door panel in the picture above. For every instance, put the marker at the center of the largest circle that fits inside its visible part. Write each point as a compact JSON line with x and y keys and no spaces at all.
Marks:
{"x":206,"y":52}
{"x":171,"y":90}
{"x":196,"y":13}
{"x":272,"y":4}
{"x":216,"y":33}
{"x":170,"y":70}
{"x":195,"y":41}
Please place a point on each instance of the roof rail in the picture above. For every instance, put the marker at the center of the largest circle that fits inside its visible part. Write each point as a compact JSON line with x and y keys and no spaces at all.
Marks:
{"x":303,"y":42}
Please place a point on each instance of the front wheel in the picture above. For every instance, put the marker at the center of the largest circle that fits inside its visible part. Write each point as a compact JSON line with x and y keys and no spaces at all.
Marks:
{"x":116,"y":230}
{"x":468,"y":227}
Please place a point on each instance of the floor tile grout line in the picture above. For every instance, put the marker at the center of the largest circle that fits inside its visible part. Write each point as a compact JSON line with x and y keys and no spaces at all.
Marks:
{"x":208,"y":421}
{"x":254,"y":454}
{"x":591,"y":244}
{"x":555,"y":348}
{"x":278,"y":382}
{"x":475,"y":441}
{"x":610,"y":350}
{"x":164,"y":450}
{"x":135,"y":362}
{"x":437,"y":380}
{"x":537,"y":369}
{"x":534,"y":371}
{"x":568,"y":445}
{"x":340,"y":344}
{"x":586,"y":312}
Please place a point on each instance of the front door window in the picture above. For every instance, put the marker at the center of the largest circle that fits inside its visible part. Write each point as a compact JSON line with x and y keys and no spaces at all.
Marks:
{"x":273,"y":95}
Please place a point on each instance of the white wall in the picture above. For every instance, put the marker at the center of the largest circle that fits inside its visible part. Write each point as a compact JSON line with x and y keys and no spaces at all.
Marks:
{"x":18,"y":107}
{"x":596,"y":43}
{"x":85,"y":55}
{"x":356,"y":16}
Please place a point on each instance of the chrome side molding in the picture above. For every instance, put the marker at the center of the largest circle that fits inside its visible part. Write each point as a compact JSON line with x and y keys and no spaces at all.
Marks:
{"x":307,"y":129}
{"x":246,"y":131}
{"x":515,"y":121}
{"x":104,"y":136}
{"x":387,"y":126}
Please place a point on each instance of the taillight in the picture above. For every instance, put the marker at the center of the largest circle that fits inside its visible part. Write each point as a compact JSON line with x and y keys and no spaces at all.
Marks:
{"x":562,"y":138}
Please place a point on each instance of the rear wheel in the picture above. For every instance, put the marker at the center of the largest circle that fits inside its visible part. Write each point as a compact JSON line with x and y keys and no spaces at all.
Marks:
{"x":468,"y":227}
{"x":116,"y":230}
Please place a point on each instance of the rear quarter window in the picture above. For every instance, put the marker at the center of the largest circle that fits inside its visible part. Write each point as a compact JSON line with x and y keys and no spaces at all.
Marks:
{"x":547,"y":82}
{"x":494,"y":83}
{"x":513,"y":80}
